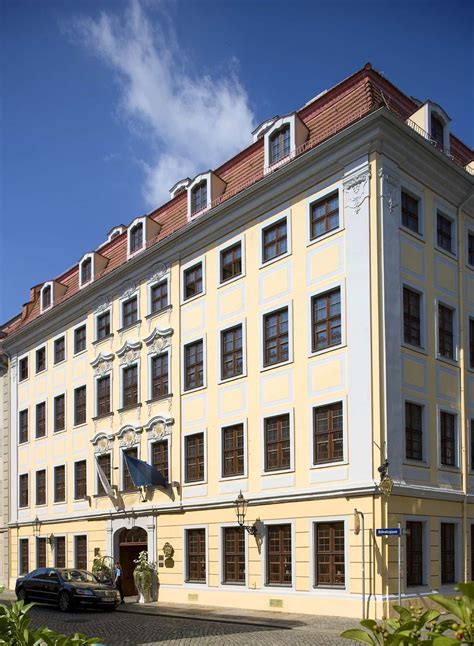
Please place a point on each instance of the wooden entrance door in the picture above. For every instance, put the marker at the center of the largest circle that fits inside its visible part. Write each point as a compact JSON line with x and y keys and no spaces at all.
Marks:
{"x":132,"y":542}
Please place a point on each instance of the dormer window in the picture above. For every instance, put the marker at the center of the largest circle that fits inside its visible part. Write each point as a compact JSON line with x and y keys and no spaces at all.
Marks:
{"x":280,"y":144}
{"x":136,"y":237}
{"x":199,"y":197}
{"x":437,"y":130}
{"x":46,"y":297}
{"x":86,"y":271}
{"x":50,"y":294}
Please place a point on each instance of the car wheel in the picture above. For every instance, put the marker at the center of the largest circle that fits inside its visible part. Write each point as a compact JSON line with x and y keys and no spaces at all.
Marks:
{"x":64,"y":601}
{"x":21,"y":595}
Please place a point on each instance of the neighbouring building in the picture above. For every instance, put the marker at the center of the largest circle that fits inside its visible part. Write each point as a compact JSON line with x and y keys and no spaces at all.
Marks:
{"x":281,"y":327}
{"x":4,"y":459}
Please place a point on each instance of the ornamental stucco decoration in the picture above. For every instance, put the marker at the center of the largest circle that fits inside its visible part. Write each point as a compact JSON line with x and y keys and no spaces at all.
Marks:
{"x":159,"y":272}
{"x":389,"y":189}
{"x":102,"y":364}
{"x":102,"y":305}
{"x":102,"y":442}
{"x":129,"y":435}
{"x":129,"y":353}
{"x":356,"y":189}
{"x":158,"y":340}
{"x":159,"y":427}
{"x":127,"y":290}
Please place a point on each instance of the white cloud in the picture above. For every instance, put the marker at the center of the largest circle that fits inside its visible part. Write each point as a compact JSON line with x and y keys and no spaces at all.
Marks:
{"x":193,"y":122}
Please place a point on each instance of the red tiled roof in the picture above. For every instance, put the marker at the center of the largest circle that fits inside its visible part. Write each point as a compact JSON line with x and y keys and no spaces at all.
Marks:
{"x":345,"y":103}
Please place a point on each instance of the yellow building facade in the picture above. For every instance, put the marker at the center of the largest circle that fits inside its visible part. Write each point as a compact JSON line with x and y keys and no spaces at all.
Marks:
{"x":283,"y":344}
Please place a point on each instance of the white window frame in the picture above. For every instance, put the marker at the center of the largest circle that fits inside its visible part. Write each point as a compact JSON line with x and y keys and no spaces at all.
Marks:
{"x":345,"y":434}
{"x":469,"y":230}
{"x":66,"y":410}
{"x":74,"y":546}
{"x":268,"y":310}
{"x":184,"y":435}
{"x":189,"y":265}
{"x":321,"y":589}
{"x":30,"y":502}
{"x":37,"y":349}
{"x":458,"y":547}
{"x":447,"y":408}
{"x":66,"y":480}
{"x":85,"y":257}
{"x":426,"y":547}
{"x":74,"y":425}
{"x":415,"y":191}
{"x":154,"y":283}
{"x":121,"y":383}
{"x":329,"y":287}
{"x":26,"y":355}
{"x":75,"y":461}
{"x":96,"y":475}
{"x":425,"y":422}
{"x":45,"y":402}
{"x":97,"y":315}
{"x":126,"y":299}
{"x":45,"y":469}
{"x":140,"y":220}
{"x":27,"y":539}
{"x":109,"y":374}
{"x":202,"y":338}
{"x":231,"y":242}
{"x":221,"y":559}
{"x":229,"y":326}
{"x":193,"y":584}
{"x":267,"y":223}
{"x":264,"y":569}
{"x":321,"y":194}
{"x":135,"y":445}
{"x":50,"y":284}
{"x":55,"y":550}
{"x":28,"y":424}
{"x":442,"y":116}
{"x":449,"y":304}
{"x":280,"y":123}
{"x":154,"y":440}
{"x":53,"y":342}
{"x":150,"y":357}
{"x":442,"y":208}
{"x":76,"y":327}
{"x":290,"y":411}
{"x":197,"y":180}
{"x":233,"y":422}
{"x":423,"y":326}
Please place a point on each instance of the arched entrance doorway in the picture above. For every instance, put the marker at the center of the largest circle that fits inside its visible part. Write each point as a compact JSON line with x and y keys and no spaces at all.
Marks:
{"x":131,"y":543}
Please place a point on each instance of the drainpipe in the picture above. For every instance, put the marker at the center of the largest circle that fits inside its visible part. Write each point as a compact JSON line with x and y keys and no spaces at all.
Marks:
{"x":362,"y":519}
{"x":462,"y":367}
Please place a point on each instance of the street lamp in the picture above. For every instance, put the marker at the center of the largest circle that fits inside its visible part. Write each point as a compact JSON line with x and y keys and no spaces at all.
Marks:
{"x":36,"y":526}
{"x":241,"y":505}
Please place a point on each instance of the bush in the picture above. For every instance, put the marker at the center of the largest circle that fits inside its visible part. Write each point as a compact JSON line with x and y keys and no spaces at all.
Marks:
{"x":15,"y":630}
{"x":416,"y":625}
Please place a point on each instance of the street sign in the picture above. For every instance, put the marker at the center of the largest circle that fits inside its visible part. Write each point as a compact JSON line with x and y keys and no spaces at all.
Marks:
{"x":388,"y":531}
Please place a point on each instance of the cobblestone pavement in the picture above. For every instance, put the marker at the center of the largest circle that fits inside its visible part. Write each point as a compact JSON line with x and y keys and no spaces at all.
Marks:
{"x":129,"y":629}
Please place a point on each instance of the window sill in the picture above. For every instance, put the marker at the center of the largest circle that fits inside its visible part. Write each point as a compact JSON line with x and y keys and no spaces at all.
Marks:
{"x":190,"y":299}
{"x":58,"y":363}
{"x":447,"y":360}
{"x":102,"y":416}
{"x":193,"y":390}
{"x":336,"y":587}
{"x":23,"y":443}
{"x":59,"y":502}
{"x":59,"y":431}
{"x":77,"y":354}
{"x":330,"y":348}
{"x":79,"y":425}
{"x":411,"y":462}
{"x":104,"y":338}
{"x":20,"y":381}
{"x":445,"y":252}
{"x":124,"y":328}
{"x":41,"y":437}
{"x":129,"y":407}
{"x":194,"y":482}
{"x":270,"y":261}
{"x":234,"y":584}
{"x":324,"y":465}
{"x":278,"y":472}
{"x":158,"y":399}
{"x":415,"y":348}
{"x":229,"y":281}
{"x":41,"y":504}
{"x":38,"y":372}
{"x":276,"y":365}
{"x":414,"y":234}
{"x":233,"y":378}
{"x":167,"y":308}
{"x":324,"y":236}
{"x":449,"y":469}
{"x":241,"y":476}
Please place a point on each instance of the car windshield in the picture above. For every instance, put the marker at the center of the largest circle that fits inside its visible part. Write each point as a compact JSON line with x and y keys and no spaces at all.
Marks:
{"x":78,"y":576}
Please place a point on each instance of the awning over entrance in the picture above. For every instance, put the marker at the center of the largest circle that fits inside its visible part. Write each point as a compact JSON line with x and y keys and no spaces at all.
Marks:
{"x":143,"y":474}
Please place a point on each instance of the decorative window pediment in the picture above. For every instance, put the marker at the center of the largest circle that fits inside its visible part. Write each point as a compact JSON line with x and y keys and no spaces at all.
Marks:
{"x":179,"y":187}
{"x":158,"y":340}
{"x":159,"y":427}
{"x":260,"y":130}
{"x":102,"y":442}
{"x":129,"y":435}
{"x":102,"y":363}
{"x":129,"y":353}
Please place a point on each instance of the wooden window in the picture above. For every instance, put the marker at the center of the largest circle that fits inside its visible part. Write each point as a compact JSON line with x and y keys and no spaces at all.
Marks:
{"x":103,"y":395}
{"x":136,"y":237}
{"x":41,"y":487}
{"x":59,"y":349}
{"x":280,"y":144}
{"x":79,"y":339}
{"x":41,"y":359}
{"x":445,"y":233}
{"x":326,"y":320}
{"x":411,"y":317}
{"x":127,"y":480}
{"x":231,"y":352}
{"x":275,"y":337}
{"x":80,"y":550}
{"x":279,"y":561}
{"x":130,"y":312}
{"x":159,"y":376}
{"x":448,"y":553}
{"x":194,"y":457}
{"x":23,"y":368}
{"x":274,"y":240}
{"x":86,"y":271}
{"x":41,"y":419}
{"x":130,"y":386}
{"x":196,"y":555}
{"x":277,"y":442}
{"x":193,"y":280}
{"x":80,"y":405}
{"x":410,"y":215}
{"x":324,"y":215}
{"x":106,"y":466}
{"x":40,"y":552}
{"x":60,"y":483}
{"x":448,"y":438}
{"x":59,"y":413}
{"x":234,"y":555}
{"x":446,"y":331}
{"x":471,"y":343}
{"x":413,"y":431}
{"x":233,"y":450}
{"x":24,"y":556}
{"x":328,"y":433}
{"x":23,"y":424}
{"x":60,"y":551}
{"x":80,"y":479}
{"x":199,"y":197}
{"x":103,"y":326}
{"x":470,"y":248}
{"x":437,"y":131}
{"x":23,"y":497}
{"x":193,"y":365}
{"x":414,"y":552}
{"x":330,"y":555}
{"x":46,"y":297}
{"x":231,"y":262}
{"x":159,"y":296}
{"x":159,"y":457}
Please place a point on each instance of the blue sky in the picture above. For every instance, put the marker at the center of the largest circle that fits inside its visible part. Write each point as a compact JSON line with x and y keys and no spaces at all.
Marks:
{"x":105,"y":104}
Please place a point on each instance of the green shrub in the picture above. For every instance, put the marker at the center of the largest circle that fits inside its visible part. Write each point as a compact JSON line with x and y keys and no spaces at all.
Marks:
{"x":15,"y":630}
{"x":416,"y":625}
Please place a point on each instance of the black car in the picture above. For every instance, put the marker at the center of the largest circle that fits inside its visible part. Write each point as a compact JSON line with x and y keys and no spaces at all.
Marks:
{"x":67,"y":587}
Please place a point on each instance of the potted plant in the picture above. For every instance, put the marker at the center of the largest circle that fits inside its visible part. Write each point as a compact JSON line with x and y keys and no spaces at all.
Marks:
{"x":143,"y":577}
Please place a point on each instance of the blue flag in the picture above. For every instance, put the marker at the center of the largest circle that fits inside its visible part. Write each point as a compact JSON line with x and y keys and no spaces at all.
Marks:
{"x":143,"y":474}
